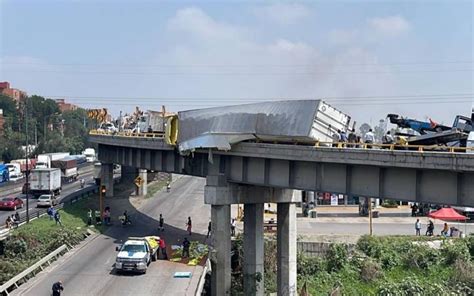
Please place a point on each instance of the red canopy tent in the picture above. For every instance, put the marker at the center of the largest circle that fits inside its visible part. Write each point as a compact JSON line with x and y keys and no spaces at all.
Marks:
{"x":449,"y":214}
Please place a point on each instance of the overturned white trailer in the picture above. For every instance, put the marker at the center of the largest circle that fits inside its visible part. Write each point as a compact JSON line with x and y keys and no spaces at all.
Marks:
{"x":302,"y":121}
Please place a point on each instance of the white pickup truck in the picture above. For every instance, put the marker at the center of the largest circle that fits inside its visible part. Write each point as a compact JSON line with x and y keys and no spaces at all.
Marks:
{"x":137,"y":253}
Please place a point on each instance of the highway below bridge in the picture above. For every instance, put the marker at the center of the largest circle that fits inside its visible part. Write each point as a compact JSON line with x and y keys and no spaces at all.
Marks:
{"x":253,"y":174}
{"x":14,"y":190}
{"x":89,"y":269}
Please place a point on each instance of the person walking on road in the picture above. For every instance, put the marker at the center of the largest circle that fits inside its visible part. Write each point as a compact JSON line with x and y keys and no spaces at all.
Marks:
{"x":89,"y":217}
{"x":430,"y":229}
{"x":162,"y":223}
{"x":163,"y":248}
{"x":418,"y":227}
{"x":209,"y":228}
{"x":232,"y":227}
{"x":57,"y":218}
{"x":57,"y":288}
{"x":189,"y":225}
{"x":186,"y":245}
{"x":168,"y":186}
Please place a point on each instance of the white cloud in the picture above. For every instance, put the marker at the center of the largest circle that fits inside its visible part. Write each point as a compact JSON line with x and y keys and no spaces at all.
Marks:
{"x":391,"y":25}
{"x":195,"y":22}
{"x":283,"y":13}
{"x":343,"y":37}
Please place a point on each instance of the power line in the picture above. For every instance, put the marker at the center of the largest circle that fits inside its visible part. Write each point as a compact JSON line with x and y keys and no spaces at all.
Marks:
{"x":241,"y":73}
{"x":428,"y":97}
{"x":240,"y":65}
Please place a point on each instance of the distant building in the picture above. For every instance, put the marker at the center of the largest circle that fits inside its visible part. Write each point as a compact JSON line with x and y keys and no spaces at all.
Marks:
{"x":16,"y":94}
{"x":63,"y":106}
{"x":2,"y":122}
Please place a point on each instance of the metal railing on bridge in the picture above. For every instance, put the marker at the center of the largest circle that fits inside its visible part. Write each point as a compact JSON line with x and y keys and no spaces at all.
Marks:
{"x":329,"y":145}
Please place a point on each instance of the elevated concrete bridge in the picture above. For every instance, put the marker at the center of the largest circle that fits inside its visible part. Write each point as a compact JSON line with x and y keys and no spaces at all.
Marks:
{"x":257,"y":173}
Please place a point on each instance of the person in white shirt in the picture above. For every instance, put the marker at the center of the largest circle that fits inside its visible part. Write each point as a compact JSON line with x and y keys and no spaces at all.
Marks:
{"x":418,"y":227}
{"x":369,"y":138}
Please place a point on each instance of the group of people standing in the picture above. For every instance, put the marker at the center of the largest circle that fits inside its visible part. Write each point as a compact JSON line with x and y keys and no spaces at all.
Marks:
{"x":354,"y":140}
{"x":430,"y":228}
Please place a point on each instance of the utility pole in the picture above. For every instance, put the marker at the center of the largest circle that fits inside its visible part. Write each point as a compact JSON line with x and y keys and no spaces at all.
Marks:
{"x":27,"y":167}
{"x":370,"y":215}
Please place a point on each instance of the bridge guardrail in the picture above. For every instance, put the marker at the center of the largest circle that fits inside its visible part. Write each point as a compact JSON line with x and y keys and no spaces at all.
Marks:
{"x":329,"y":145}
{"x":13,"y":282}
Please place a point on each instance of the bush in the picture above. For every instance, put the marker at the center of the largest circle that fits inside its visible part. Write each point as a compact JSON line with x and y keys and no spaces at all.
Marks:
{"x":421,"y":256}
{"x":370,"y":271}
{"x":453,"y":250}
{"x":464,"y":273}
{"x":336,"y":257}
{"x":310,"y":266}
{"x":411,"y":286}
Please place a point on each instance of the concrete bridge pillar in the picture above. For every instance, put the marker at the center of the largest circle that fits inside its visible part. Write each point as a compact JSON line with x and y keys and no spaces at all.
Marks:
{"x":107,"y":178}
{"x":253,"y":249}
{"x":286,"y":248}
{"x":143,"y":189}
{"x":221,"y":244}
{"x":215,"y":193}
{"x":220,"y":195}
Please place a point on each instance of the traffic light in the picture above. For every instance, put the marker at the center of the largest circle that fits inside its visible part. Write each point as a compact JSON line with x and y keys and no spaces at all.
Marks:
{"x":103,"y":189}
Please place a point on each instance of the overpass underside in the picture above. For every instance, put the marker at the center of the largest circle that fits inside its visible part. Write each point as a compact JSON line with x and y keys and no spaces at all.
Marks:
{"x":427,"y":183}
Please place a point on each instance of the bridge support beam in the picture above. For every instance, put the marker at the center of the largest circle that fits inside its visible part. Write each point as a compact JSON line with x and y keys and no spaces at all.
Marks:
{"x":221,"y":243}
{"x":107,"y":178}
{"x":220,"y":195}
{"x":143,"y":189}
{"x":286,"y":248}
{"x":253,"y":250}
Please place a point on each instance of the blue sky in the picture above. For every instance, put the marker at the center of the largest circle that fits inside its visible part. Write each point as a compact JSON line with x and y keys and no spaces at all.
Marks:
{"x":368,"y":58}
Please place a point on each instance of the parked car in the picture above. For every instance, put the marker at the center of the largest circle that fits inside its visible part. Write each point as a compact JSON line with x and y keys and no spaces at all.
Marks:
{"x":108,"y":127}
{"x":11,"y":203}
{"x":47,"y":200}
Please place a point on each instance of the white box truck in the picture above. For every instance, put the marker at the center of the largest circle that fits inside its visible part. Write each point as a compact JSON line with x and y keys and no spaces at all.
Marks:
{"x":45,"y":181}
{"x":89,"y":153}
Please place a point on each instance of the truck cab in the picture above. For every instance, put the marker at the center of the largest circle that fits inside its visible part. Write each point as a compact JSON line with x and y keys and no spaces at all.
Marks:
{"x":137,"y":253}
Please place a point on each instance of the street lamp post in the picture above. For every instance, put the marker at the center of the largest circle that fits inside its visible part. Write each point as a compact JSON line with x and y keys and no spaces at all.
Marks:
{"x":27,"y":166}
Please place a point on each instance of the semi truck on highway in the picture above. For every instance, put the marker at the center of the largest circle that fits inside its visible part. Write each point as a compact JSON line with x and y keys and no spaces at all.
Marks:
{"x":44,"y":160}
{"x":68,"y":167}
{"x":44,"y":181}
{"x":137,"y":253}
{"x":14,"y":170}
{"x":22,"y":163}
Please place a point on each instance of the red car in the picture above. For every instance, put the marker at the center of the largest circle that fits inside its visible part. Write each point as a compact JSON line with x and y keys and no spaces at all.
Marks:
{"x":11,"y":203}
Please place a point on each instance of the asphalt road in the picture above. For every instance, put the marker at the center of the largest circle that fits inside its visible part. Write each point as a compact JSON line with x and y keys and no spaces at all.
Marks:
{"x":345,"y":228}
{"x":89,"y":270}
{"x":67,"y":189}
{"x":14,"y":187}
